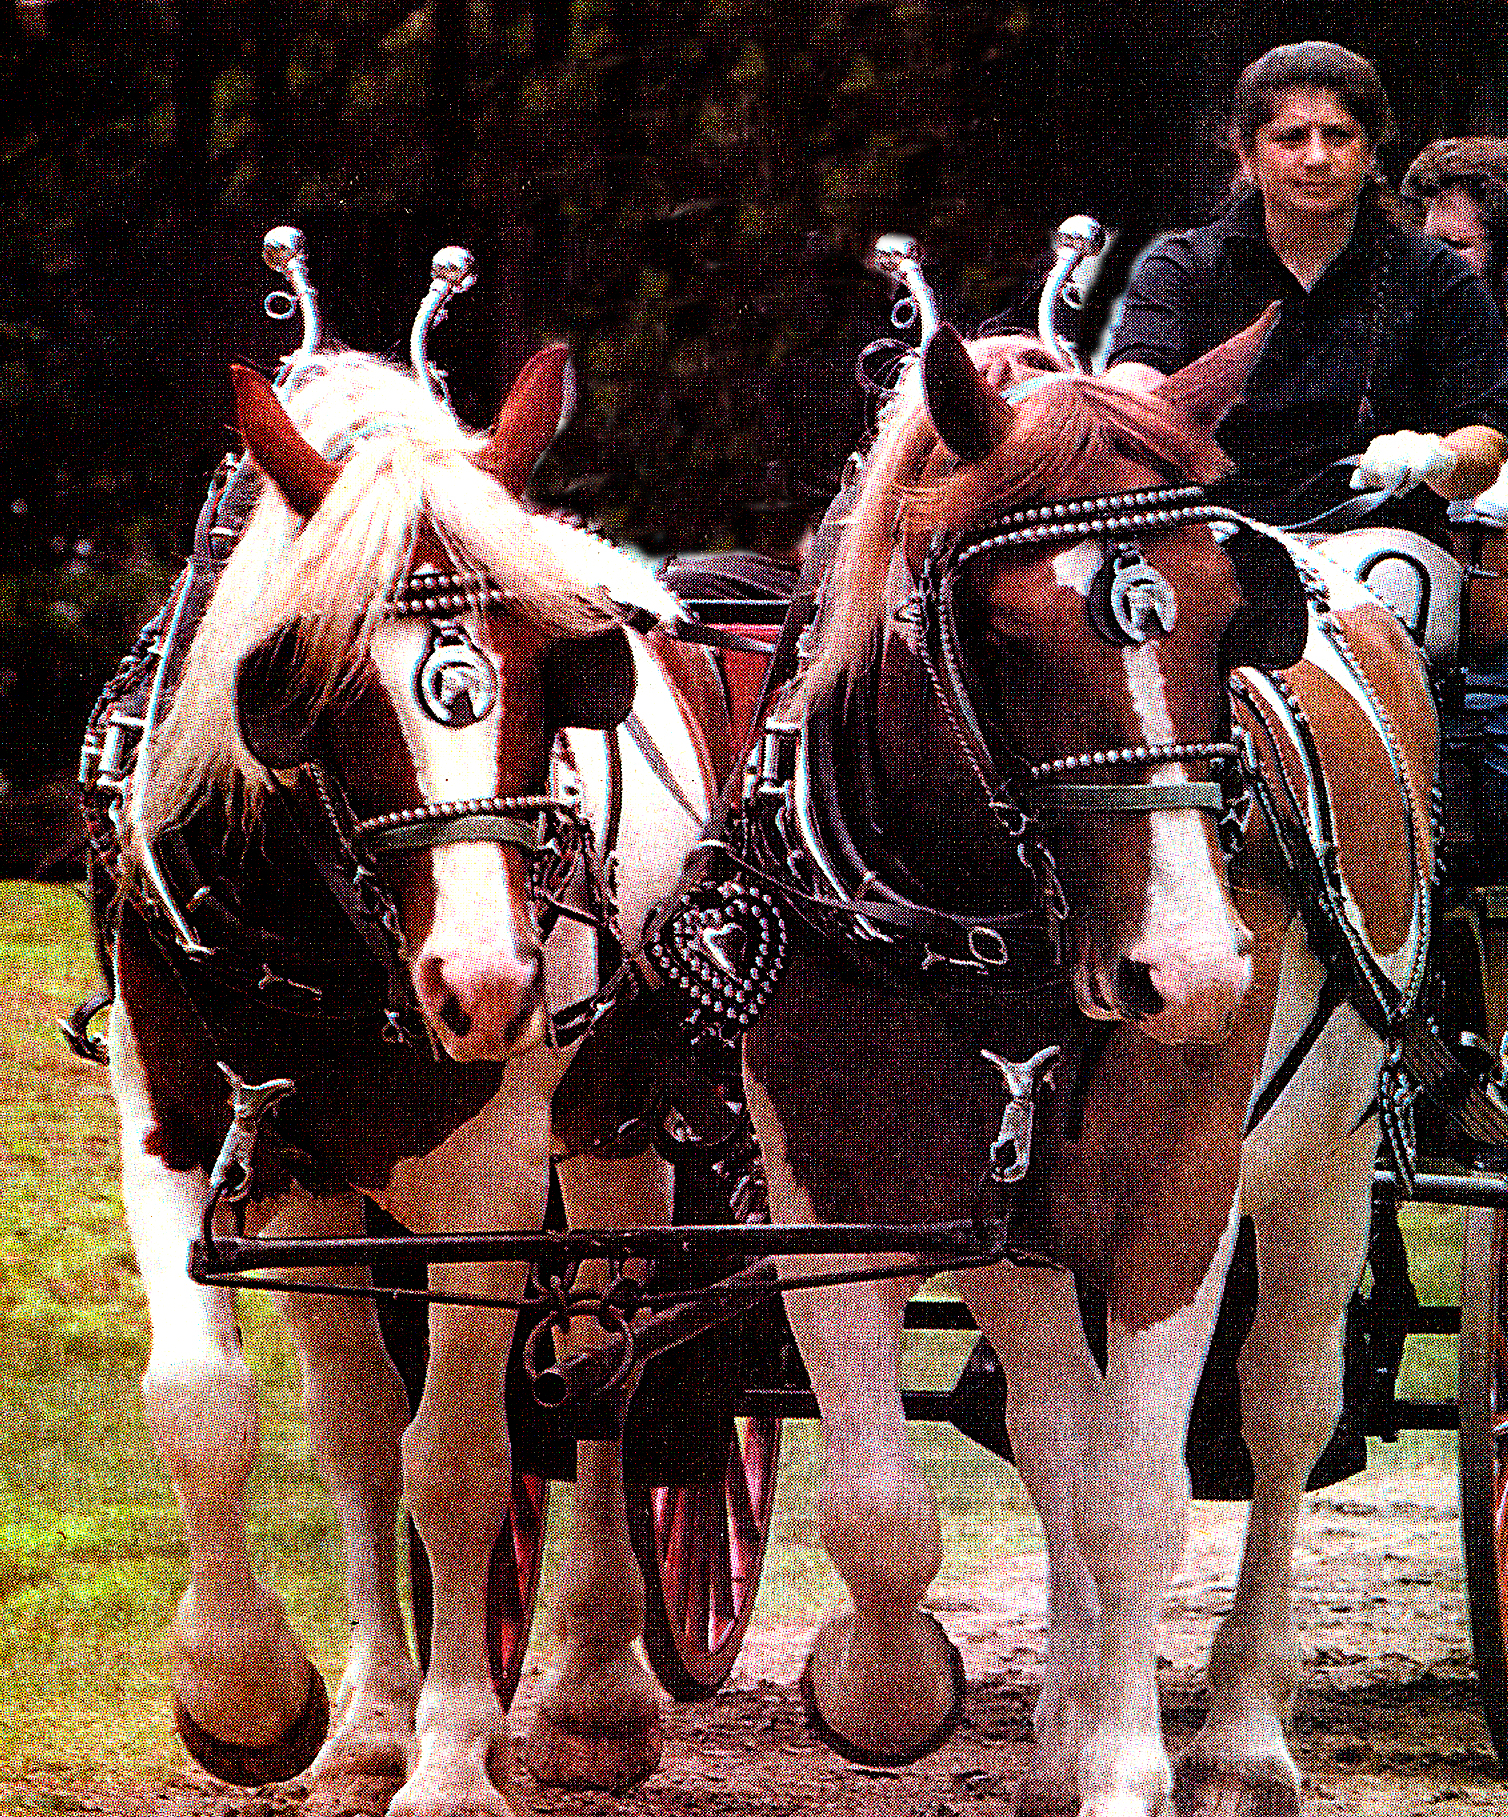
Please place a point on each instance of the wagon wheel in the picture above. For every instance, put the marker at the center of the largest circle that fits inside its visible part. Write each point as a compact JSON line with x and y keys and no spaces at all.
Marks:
{"x":1483,"y":1397}
{"x":701,"y":1548}
{"x":512,"y":1584}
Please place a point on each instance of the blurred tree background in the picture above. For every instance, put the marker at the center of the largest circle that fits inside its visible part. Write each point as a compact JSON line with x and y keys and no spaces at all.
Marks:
{"x":683,"y":189}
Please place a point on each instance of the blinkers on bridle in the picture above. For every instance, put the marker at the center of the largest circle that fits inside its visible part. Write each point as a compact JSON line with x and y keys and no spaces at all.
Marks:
{"x":1128,"y":603}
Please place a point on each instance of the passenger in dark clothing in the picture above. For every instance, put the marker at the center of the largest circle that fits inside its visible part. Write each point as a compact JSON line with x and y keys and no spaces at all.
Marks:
{"x":1460,"y":186}
{"x":1386,"y":347}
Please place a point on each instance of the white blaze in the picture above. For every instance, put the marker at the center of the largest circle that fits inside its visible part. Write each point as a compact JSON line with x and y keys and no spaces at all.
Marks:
{"x":1186,"y":912}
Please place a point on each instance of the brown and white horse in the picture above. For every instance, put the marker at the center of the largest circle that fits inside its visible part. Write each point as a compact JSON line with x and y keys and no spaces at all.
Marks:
{"x":871,"y":1101}
{"x":394,"y":631}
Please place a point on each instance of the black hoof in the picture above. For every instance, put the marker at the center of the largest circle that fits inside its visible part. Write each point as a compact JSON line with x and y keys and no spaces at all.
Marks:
{"x":283,"y":1759}
{"x":873,"y":1757}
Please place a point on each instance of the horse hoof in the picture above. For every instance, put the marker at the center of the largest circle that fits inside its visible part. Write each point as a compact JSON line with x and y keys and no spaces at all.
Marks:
{"x":1204,"y":1787}
{"x":883,"y":1717}
{"x":239,"y":1764}
{"x":557,"y":1754}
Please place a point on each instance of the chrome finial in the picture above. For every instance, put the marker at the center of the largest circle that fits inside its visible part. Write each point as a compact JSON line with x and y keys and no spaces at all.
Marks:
{"x":899,"y":257}
{"x":1079,"y":238}
{"x":452,"y":272}
{"x":283,"y":251}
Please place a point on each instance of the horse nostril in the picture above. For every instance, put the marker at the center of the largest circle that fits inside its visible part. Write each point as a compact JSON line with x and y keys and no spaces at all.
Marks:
{"x":454,"y":1017}
{"x":1133,"y":986}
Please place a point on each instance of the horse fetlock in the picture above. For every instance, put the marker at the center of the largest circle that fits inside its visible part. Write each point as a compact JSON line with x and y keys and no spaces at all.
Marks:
{"x":1245,"y":1768}
{"x":1124,"y":1773}
{"x":457,"y":1771}
{"x":241,"y":1674}
{"x":374,"y":1722}
{"x":883,"y":1691}
{"x":202,"y":1415}
{"x":597,"y":1728}
{"x":881,"y":1532}
{"x":591,"y":1695}
{"x":1254,"y":1672}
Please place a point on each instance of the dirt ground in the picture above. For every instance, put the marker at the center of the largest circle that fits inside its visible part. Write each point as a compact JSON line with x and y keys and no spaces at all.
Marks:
{"x":1386,"y":1725}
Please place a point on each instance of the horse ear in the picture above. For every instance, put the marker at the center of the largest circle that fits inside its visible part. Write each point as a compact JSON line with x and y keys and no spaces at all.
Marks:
{"x":589,"y":681}
{"x":969,"y":415}
{"x":299,"y":472}
{"x":534,"y":412}
{"x":274,"y":712}
{"x":1211,"y":385}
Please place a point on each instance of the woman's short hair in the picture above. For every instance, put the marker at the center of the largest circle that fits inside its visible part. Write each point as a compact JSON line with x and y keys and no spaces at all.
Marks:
{"x":1315,"y":63}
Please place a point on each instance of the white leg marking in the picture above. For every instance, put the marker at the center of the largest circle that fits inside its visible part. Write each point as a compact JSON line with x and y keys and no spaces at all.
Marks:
{"x":357,"y":1408}
{"x":236,"y":1665}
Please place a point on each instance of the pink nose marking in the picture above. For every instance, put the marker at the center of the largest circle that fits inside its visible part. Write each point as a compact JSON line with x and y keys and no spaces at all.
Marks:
{"x":1178,"y":998}
{"x":485,"y":1001}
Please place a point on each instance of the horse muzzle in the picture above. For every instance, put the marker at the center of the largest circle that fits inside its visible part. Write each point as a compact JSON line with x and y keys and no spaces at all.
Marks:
{"x":483,"y":1003}
{"x":1173,"y":997}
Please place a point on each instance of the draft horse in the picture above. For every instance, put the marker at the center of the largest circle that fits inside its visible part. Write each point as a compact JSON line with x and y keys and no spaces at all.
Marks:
{"x":370,"y":849}
{"x":1013,"y":790}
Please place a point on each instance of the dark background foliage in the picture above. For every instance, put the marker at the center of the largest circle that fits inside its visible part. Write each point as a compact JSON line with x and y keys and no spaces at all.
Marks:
{"x":683,"y":189}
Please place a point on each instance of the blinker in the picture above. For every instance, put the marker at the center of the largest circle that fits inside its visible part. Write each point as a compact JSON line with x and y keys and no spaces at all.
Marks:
{"x":454,"y":682}
{"x":1128,"y":596}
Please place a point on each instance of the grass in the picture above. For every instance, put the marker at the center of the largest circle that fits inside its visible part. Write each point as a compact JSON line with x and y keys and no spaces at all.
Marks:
{"x":91,"y":1554}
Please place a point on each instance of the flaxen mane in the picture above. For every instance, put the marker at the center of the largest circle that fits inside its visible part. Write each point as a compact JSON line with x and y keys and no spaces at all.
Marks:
{"x":1055,"y":429}
{"x":405,"y":461}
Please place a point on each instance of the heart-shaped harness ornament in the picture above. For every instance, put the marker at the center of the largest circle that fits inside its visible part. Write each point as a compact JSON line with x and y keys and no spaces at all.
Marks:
{"x":722,"y":950}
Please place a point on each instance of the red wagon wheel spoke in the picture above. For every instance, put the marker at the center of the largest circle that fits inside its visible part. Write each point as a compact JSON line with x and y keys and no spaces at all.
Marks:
{"x":701,"y":1548}
{"x":724,"y":1607}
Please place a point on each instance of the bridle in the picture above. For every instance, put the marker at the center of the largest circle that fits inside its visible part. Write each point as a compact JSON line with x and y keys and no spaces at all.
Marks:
{"x":1077,"y":783}
{"x":567,"y":875}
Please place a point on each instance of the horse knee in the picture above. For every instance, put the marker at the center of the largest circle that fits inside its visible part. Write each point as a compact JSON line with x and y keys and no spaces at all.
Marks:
{"x":1128,"y":1507}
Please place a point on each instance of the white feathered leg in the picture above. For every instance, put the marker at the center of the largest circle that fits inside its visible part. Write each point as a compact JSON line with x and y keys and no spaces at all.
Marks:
{"x":1031,"y":1318}
{"x":598,"y":1722}
{"x":249,"y":1705}
{"x":357,"y":1409}
{"x":885,"y":1680}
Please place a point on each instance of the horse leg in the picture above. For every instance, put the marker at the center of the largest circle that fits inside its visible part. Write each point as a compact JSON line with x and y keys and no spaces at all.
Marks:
{"x":491,"y":1174}
{"x":884,"y":1681}
{"x":248,"y":1704}
{"x":1130,"y":1521}
{"x":598,"y":1721}
{"x":1031,"y":1318}
{"x":457,"y":1480}
{"x":356,"y":1407}
{"x":1311,"y":1245}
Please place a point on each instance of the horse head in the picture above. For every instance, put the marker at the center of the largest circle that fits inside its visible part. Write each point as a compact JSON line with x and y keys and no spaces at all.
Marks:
{"x":1109,"y":651}
{"x":399,"y":637}
{"x":1095,"y":615}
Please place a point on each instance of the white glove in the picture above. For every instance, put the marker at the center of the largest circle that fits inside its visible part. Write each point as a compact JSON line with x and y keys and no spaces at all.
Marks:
{"x":1404,"y":459}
